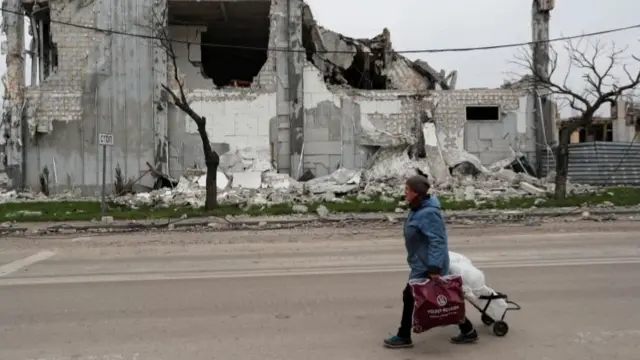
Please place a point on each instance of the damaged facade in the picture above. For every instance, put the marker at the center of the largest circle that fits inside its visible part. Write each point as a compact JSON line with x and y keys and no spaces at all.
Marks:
{"x":328,"y":102}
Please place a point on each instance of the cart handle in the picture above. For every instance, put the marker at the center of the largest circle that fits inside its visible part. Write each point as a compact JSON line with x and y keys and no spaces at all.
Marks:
{"x":514,"y":306}
{"x":493,"y":296}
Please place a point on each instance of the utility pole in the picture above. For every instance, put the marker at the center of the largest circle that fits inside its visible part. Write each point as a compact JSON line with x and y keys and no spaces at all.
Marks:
{"x":12,"y":127}
{"x":545,"y":124}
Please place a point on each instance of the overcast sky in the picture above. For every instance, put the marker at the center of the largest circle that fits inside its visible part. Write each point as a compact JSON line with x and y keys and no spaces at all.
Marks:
{"x":424,"y":24}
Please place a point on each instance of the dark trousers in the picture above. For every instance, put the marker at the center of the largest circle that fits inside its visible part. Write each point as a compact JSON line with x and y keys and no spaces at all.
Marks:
{"x":406,"y":324}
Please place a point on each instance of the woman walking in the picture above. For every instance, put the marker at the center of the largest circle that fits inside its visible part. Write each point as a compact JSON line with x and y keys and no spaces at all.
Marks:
{"x":425,"y":237}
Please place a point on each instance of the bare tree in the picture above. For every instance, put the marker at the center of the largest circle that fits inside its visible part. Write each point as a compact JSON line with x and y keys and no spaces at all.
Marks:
{"x":606,"y":77}
{"x":177,"y":94}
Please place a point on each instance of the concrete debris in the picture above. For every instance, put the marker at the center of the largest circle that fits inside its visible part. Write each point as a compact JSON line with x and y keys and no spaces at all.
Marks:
{"x":531,"y":189}
{"x":246,"y":159}
{"x":383,"y":181}
{"x":342,"y":181}
{"x":222,"y":181}
{"x":300,"y":209}
{"x":367,"y":63}
{"x":278,"y":181}
{"x":322,"y":211}
{"x":246,"y":180}
{"x":464,"y":168}
{"x":10,"y":196}
{"x":391,"y":165}
{"x":4,"y":180}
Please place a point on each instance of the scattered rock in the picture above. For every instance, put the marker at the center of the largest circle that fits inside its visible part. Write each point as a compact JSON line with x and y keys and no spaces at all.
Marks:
{"x":245,"y":179}
{"x":300,"y":209}
{"x":540,"y":202}
{"x":399,"y":211}
{"x":322,"y":211}
{"x":531,"y":189}
{"x":469,"y":193}
{"x":28,"y":213}
{"x":607,"y":204}
{"x":107,"y":219}
{"x":465,"y":168}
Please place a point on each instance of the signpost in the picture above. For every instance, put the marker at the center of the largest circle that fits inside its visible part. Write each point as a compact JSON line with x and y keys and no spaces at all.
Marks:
{"x":105,"y":140}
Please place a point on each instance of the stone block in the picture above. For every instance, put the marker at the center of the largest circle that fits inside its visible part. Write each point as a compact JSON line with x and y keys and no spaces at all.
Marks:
{"x":247,"y":179}
{"x":323,"y":148}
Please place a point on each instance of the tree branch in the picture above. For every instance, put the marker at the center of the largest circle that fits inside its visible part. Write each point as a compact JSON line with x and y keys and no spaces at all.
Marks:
{"x":597,"y":64}
{"x":179,"y":99}
{"x":212,"y":159}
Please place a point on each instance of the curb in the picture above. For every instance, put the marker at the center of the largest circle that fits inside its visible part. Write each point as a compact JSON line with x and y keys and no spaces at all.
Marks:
{"x":275,"y":223}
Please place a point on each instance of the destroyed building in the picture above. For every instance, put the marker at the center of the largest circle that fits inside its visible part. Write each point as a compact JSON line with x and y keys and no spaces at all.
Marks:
{"x":314,"y":102}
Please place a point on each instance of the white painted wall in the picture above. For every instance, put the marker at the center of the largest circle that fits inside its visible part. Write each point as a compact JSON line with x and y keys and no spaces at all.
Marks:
{"x":188,"y":56}
{"x":239,"y":118}
{"x":379,"y":102}
{"x":315,"y":90}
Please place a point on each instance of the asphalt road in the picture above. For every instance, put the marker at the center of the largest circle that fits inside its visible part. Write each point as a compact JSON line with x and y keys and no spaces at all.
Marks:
{"x":311,"y":294}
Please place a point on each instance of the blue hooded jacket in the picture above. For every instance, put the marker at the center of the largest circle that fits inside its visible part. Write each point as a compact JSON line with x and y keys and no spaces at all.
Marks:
{"x":426,"y":240}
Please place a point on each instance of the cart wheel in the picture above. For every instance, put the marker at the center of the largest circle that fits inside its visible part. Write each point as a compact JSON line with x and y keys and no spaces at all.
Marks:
{"x":486,"y":319}
{"x":500,"y":328}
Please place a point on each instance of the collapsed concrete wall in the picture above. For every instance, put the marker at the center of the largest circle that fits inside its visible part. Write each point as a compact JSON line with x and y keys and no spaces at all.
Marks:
{"x":85,"y":82}
{"x":110,"y":83}
{"x":369,"y":64}
{"x":352,"y":128}
{"x":488,"y":123}
{"x":234,"y":90}
{"x":282,"y":109}
{"x":237,"y":122}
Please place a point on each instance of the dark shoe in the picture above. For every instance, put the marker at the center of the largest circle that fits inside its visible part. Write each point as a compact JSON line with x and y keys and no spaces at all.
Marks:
{"x":465,"y":338}
{"x":396,"y":342}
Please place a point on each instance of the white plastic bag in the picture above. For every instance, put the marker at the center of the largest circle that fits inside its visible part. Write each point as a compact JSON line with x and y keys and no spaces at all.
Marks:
{"x":497,"y":307}
{"x":461,"y":265}
{"x":474,"y":285}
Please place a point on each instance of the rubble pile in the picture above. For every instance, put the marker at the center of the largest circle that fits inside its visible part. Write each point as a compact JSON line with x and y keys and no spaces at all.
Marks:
{"x":268,"y":188}
{"x":246,"y":179}
{"x":383,"y":180}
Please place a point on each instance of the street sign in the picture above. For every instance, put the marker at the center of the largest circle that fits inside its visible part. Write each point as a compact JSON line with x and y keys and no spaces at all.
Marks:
{"x":105,"y":139}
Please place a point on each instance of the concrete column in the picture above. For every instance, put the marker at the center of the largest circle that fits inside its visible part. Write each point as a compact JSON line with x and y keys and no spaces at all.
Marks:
{"x":12,"y":129}
{"x":286,"y":16}
{"x":279,"y":22}
{"x":160,"y":102}
{"x":295,"y":61}
{"x":540,"y":16}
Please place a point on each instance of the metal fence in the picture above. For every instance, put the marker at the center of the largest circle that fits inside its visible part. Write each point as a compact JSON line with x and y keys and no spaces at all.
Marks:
{"x":601,"y":163}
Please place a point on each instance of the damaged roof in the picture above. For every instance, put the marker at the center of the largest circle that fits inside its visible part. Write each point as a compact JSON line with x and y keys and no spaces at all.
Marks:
{"x":367,"y":63}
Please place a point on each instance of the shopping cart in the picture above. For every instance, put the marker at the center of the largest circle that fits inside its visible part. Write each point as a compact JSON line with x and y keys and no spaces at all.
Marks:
{"x":500,"y":327}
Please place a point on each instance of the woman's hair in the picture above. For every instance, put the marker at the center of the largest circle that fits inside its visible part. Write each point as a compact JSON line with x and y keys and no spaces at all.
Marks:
{"x":419,"y":183}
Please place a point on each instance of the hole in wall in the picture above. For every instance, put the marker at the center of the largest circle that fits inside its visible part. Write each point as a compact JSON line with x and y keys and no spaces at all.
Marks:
{"x":43,"y":51}
{"x":237,"y":61}
{"x":233,"y":48}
